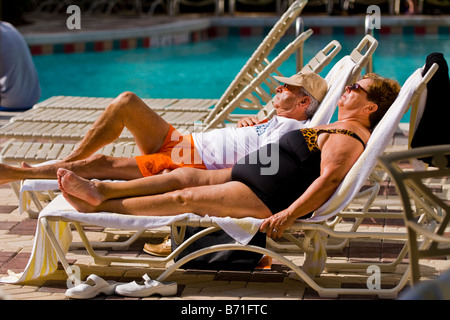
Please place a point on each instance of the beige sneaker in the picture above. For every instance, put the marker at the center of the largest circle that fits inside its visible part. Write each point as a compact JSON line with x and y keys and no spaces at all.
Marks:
{"x":162,"y":249}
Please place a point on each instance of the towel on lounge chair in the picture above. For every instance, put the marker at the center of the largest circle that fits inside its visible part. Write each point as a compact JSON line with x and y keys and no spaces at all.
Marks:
{"x":337,"y":79}
{"x":35,"y":185}
{"x":379,"y":140}
{"x":43,"y":259}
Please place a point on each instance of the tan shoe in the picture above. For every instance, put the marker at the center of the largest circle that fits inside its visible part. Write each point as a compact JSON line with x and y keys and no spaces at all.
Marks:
{"x":162,"y":249}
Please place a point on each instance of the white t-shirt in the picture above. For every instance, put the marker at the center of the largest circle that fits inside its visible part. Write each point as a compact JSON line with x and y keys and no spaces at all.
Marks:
{"x":222,"y":148}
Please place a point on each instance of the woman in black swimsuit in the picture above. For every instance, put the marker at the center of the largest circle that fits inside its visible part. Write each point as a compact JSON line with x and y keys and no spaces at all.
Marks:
{"x":311,"y":163}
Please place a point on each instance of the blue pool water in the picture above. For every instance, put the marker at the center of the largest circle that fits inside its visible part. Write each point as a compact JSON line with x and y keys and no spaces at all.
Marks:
{"x":205,"y":69}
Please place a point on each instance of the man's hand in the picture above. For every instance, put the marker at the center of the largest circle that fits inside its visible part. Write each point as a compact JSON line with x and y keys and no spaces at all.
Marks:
{"x":249,"y":121}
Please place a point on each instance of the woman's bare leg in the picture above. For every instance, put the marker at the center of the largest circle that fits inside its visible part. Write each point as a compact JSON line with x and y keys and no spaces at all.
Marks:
{"x":233,"y":199}
{"x":95,"y":192}
{"x":126,"y":111}
{"x":219,"y":197}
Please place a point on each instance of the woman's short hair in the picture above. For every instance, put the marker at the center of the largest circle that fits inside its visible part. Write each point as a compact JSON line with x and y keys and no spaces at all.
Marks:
{"x":383,"y":92}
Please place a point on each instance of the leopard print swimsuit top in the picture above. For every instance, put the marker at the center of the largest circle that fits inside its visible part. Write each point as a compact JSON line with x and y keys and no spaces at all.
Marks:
{"x":311,"y":136}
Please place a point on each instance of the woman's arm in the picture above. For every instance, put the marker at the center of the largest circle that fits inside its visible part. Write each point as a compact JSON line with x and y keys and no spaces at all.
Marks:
{"x":339,"y":153}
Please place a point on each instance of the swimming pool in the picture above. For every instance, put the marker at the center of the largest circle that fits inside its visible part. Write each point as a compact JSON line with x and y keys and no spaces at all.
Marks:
{"x":205,"y":69}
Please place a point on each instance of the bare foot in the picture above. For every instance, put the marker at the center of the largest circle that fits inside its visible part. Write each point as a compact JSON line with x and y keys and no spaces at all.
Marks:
{"x":78,"y":204}
{"x":80,"y":188}
{"x":25,"y":165}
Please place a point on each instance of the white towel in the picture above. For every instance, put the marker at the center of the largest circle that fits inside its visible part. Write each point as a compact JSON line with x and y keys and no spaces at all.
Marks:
{"x":43,"y":259}
{"x":376,"y":145}
{"x":35,"y":185}
{"x":337,"y":79}
{"x":242,"y":230}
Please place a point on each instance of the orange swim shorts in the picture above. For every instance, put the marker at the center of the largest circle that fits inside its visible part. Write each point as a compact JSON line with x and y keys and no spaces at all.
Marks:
{"x":176,"y":151}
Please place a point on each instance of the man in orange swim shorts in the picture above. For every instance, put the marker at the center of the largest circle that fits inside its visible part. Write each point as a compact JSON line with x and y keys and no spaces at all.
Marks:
{"x":162,"y":147}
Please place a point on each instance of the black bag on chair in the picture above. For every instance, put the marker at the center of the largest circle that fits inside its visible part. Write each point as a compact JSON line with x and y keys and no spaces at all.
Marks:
{"x":432,"y":128}
{"x":222,"y":260}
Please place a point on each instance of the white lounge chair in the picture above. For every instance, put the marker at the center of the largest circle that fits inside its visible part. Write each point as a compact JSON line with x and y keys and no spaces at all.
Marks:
{"x":358,"y":59}
{"x":55,"y":217}
{"x":425,"y":206}
{"x":258,"y":61}
{"x":58,"y":213}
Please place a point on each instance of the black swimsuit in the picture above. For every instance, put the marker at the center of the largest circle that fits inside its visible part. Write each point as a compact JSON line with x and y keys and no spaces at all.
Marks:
{"x":279,"y":173}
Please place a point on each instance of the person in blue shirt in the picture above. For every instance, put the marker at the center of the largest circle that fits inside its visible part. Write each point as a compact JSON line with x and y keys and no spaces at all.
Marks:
{"x":19,"y":81}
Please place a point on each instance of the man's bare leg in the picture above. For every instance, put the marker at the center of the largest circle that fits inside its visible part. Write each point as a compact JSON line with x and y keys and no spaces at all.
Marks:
{"x":126,"y":111}
{"x":97,"y":166}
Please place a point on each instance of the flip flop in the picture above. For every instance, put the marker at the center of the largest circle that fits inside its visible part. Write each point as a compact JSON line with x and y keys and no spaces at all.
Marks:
{"x":92,"y":287}
{"x":147,"y":288}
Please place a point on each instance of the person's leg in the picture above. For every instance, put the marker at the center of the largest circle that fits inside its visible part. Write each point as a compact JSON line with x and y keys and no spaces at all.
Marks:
{"x":95,"y":192}
{"x":97,"y":166}
{"x":126,"y":111}
{"x":232,"y":199}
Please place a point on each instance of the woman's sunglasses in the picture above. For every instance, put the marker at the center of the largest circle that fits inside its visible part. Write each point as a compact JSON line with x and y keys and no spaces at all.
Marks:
{"x":357,"y":86}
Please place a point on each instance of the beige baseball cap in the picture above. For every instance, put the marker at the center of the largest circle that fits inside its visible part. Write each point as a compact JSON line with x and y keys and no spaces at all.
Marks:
{"x":312,"y":82}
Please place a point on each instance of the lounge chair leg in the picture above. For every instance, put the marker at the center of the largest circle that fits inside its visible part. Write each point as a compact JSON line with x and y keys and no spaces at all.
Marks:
{"x":59,"y":252}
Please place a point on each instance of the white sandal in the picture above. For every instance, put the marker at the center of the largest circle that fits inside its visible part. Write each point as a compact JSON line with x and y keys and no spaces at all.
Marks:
{"x":147,"y":288}
{"x":92,"y":287}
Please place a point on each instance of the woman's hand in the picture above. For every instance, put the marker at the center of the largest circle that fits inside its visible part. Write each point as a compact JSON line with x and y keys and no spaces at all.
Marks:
{"x":275,"y":225}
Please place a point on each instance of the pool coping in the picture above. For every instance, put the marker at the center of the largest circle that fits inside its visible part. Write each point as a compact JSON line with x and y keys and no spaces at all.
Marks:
{"x":204,"y":28}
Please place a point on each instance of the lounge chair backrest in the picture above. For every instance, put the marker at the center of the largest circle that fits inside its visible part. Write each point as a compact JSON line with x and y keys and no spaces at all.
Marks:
{"x":347,"y":70}
{"x":376,"y":145}
{"x":259,"y":58}
{"x":322,"y":58}
{"x":263,"y":77}
{"x":316,"y":64}
{"x":426,"y":211}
